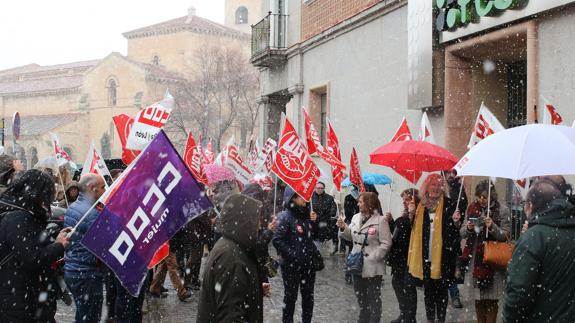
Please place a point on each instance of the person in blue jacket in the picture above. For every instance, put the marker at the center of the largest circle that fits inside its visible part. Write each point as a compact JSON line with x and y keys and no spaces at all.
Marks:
{"x":293,"y":241}
{"x":82,"y":272}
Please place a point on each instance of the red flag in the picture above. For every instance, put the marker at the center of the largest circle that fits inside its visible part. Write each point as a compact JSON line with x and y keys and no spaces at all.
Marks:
{"x":403,"y":133}
{"x":333,"y":147}
{"x":123,"y":125}
{"x":355,"y":172}
{"x":209,"y":154}
{"x":194,"y":160}
{"x":553,"y":116}
{"x":315,"y":146}
{"x":160,"y":255}
{"x":293,"y":164}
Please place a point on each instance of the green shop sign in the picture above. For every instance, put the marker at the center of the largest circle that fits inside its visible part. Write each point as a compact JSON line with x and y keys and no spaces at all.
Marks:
{"x":452,"y":14}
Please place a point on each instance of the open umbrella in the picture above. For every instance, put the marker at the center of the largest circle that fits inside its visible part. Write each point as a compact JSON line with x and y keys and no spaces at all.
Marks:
{"x":412,"y":157}
{"x":370,"y":178}
{"x":216,"y":173}
{"x":522,"y":152}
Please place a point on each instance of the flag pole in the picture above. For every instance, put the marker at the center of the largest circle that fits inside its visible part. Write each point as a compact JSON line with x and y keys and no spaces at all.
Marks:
{"x":488,"y":205}
{"x":460,"y":192}
{"x":275,"y":193}
{"x":62,"y":183}
{"x":390,"y":190}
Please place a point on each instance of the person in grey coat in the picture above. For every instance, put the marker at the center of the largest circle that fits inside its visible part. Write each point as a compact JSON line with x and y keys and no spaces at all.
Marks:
{"x":369,"y":231}
{"x":486,"y":283}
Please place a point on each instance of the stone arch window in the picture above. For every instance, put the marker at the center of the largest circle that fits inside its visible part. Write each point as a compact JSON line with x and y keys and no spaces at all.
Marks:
{"x":33,"y":157}
{"x":112,"y":86}
{"x":156,"y":60}
{"x":242,"y":15}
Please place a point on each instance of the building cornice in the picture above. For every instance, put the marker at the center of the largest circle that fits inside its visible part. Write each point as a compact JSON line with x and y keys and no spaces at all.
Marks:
{"x":75,"y":90}
{"x":173,"y":30}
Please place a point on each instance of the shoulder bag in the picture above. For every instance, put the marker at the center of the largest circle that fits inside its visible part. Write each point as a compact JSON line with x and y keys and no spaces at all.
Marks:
{"x":354,"y":261}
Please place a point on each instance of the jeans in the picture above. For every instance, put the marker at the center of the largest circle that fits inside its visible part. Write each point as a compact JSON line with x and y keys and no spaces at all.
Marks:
{"x":453,"y":291}
{"x":294,"y":279}
{"x":368,"y":292}
{"x":193,"y":265}
{"x":110,"y":285}
{"x":435,"y":297}
{"x":406,"y":294}
{"x":87,"y":289}
{"x":129,"y":308}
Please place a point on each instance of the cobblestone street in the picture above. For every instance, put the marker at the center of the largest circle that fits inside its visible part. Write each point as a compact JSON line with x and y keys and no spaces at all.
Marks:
{"x":334,"y":301}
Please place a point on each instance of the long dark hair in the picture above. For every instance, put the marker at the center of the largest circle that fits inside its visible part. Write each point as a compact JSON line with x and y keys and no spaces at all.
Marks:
{"x":33,"y":191}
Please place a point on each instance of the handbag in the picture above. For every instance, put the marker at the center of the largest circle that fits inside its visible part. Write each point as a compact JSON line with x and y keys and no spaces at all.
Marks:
{"x":497,"y":254}
{"x":354,"y":261}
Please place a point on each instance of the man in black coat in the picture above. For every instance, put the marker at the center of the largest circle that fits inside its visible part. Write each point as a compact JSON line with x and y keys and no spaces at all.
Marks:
{"x":326,"y":210}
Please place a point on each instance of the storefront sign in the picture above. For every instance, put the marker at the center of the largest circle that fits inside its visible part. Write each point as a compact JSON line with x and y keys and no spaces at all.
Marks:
{"x":459,"y":18}
{"x":454,"y":14}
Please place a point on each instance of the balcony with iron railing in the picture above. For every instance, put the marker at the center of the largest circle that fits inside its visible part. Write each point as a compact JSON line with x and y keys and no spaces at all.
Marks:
{"x":269,"y":41}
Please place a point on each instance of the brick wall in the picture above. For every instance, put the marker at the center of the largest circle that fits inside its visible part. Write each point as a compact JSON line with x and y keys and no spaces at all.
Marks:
{"x":320,"y":15}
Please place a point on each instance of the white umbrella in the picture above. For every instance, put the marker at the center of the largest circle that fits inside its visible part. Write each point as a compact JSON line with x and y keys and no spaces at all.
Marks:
{"x":522,"y":152}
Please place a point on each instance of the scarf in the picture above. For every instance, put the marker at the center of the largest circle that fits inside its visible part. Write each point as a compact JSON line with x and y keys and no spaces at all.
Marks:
{"x":415,"y":255}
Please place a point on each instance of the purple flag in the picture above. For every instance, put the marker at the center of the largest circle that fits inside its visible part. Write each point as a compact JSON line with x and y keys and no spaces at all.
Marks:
{"x":154,"y":200}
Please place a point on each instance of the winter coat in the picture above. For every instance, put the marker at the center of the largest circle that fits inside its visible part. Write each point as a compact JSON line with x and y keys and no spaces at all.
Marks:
{"x":324,"y":206}
{"x":26,"y":274}
{"x":499,"y":231}
{"x":541,"y":274}
{"x":376,"y":229}
{"x":451,"y":247}
{"x":294,"y":236}
{"x":78,"y":258}
{"x":350,"y":208}
{"x":401,"y":234}
{"x":231,"y":290}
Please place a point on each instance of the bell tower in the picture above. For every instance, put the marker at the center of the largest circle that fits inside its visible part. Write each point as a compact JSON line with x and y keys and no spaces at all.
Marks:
{"x":241,"y":14}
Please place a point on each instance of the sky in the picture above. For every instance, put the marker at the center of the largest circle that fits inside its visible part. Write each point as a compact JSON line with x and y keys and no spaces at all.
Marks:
{"x":50,"y":32}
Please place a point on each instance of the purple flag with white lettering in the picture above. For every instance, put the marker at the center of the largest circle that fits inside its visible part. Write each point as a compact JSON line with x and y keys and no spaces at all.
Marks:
{"x":154,"y":200}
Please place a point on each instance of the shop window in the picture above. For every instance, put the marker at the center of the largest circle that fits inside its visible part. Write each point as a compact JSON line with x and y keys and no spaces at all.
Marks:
{"x":242,"y":15}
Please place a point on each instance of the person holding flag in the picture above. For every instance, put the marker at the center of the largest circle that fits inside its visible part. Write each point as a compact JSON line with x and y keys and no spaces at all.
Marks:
{"x":82,"y":271}
{"x":294,"y":242}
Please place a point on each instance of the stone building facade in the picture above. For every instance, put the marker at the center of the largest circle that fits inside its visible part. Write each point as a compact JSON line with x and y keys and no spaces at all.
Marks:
{"x":77,"y":100}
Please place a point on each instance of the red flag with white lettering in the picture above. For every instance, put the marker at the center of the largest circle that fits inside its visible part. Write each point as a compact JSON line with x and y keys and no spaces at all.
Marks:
{"x":193,"y":158}
{"x":403,"y":133}
{"x":209,"y":154}
{"x":293,"y":164}
{"x":314,"y":145}
{"x":355,"y":172}
{"x":333,"y":147}
{"x":123,"y":126}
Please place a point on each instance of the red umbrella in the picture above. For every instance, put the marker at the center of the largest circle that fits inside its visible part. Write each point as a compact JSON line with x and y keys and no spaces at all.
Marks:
{"x":410,"y":158}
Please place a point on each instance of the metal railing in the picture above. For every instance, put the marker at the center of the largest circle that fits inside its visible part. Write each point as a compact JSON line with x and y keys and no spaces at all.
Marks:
{"x":269,"y":33}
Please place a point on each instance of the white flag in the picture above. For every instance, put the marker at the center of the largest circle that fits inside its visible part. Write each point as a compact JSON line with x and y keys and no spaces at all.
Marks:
{"x":221,"y":157}
{"x":485,"y":125}
{"x":550,"y":114}
{"x":61,"y":155}
{"x":425,"y":132}
{"x":235,"y":162}
{"x":149,"y":122}
{"x":94,"y":163}
{"x":266,"y":156}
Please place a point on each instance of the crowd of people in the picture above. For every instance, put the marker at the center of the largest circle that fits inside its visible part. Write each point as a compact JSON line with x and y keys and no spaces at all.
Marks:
{"x":437,"y":243}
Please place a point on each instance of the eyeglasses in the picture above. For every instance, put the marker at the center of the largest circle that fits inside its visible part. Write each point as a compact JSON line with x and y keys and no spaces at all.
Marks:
{"x":320,"y":188}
